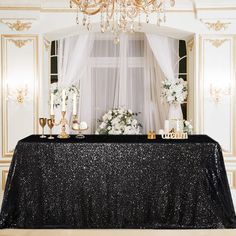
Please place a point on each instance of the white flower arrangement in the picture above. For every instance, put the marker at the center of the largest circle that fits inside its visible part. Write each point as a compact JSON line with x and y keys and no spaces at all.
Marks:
{"x":174,"y":92}
{"x":188,"y":128}
{"x":119,"y":121}
{"x":57,"y":91}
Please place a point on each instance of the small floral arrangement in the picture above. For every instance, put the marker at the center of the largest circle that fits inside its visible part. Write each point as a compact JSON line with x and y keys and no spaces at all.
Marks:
{"x":188,"y":128}
{"x":57,"y":91}
{"x":119,"y":121}
{"x":174,"y":92}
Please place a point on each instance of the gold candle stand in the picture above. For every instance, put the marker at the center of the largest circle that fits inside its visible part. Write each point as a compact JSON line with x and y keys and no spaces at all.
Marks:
{"x":63,"y":122}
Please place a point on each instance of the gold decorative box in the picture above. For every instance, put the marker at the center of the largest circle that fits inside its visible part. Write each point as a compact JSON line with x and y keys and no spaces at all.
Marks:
{"x":151,"y":135}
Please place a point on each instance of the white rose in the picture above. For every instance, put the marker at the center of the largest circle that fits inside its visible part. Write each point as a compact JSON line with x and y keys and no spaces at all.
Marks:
{"x":134,"y":122}
{"x":103,"y":125}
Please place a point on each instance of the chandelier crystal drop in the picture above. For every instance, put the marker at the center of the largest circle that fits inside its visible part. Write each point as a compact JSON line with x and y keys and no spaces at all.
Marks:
{"x":119,"y":16}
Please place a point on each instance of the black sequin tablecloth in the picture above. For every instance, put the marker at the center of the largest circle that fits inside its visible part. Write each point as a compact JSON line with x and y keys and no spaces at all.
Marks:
{"x":117,"y":182}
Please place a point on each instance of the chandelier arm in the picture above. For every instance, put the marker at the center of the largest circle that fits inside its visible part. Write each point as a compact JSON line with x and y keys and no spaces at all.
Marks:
{"x":88,"y":9}
{"x":112,"y":10}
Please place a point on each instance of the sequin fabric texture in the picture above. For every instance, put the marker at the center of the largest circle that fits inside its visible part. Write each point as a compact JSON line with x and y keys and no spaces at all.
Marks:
{"x":117,"y":182}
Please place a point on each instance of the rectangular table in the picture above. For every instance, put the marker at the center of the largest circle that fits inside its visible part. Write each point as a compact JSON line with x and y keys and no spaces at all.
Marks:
{"x":117,"y":182}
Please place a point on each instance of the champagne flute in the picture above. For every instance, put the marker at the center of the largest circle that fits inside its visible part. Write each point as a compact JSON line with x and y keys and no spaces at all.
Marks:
{"x":42,"y":122}
{"x":50,"y":125}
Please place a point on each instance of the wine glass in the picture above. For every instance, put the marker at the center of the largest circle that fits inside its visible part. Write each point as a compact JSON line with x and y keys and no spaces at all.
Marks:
{"x":42,"y":122}
{"x":50,"y":125}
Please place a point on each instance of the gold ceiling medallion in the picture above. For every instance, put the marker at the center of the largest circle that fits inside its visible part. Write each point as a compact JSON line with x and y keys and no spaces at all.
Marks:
{"x":190,"y":44}
{"x":217,"y":42}
{"x":121,"y":16}
{"x":20,"y":42}
{"x":217,"y":26}
{"x":17,"y":25}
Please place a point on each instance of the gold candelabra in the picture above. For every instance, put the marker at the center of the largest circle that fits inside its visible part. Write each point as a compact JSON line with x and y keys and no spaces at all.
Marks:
{"x":63,"y":122}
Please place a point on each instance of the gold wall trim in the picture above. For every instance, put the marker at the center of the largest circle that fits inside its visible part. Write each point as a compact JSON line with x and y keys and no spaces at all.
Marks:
{"x":46,"y":43}
{"x":19,"y":43}
{"x":190,"y":101}
{"x":17,"y":25}
{"x":217,"y":26}
{"x":4,"y":178}
{"x":190,"y":44}
{"x":217,"y":42}
{"x":6,"y":154}
{"x":233,"y":177}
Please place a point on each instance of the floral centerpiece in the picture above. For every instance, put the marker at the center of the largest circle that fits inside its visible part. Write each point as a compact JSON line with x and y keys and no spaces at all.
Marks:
{"x":57,"y":91}
{"x":174,"y":92}
{"x":119,"y":121}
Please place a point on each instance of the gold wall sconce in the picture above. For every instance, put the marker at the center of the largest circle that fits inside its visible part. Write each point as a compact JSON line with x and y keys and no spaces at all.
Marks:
{"x":19,"y":95}
{"x":217,"y":92}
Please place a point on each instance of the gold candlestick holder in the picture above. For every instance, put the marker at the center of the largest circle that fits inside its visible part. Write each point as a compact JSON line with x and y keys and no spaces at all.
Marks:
{"x":63,"y":122}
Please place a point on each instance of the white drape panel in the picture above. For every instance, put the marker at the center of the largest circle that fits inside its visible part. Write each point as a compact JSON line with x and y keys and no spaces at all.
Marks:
{"x":165,"y":51}
{"x":73,"y":58}
{"x":117,"y":75}
{"x":125,"y":75}
{"x":156,"y":112}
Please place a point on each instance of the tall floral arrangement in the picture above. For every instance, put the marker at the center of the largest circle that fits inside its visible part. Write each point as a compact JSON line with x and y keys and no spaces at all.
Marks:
{"x":174,"y":92}
{"x":119,"y":121}
{"x":57,"y":91}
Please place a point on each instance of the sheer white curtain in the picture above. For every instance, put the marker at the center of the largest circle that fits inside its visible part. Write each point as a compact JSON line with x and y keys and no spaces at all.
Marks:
{"x":165,"y":50}
{"x":116,"y":75}
{"x":124,"y":75}
{"x":73,"y":58}
{"x":156,"y":112}
{"x":127,"y":75}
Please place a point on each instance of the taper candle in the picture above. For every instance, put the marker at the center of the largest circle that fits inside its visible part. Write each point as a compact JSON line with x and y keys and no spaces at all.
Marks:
{"x":167,"y":126}
{"x":52,"y":104}
{"x":63,"y":100}
{"x":74,"y":105}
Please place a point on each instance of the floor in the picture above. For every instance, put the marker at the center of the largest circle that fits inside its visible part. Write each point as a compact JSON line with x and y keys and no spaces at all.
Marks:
{"x":9,"y":232}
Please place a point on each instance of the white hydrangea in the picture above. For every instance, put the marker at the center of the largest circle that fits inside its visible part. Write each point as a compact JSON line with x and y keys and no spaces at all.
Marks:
{"x":119,"y":121}
{"x":174,"y":92}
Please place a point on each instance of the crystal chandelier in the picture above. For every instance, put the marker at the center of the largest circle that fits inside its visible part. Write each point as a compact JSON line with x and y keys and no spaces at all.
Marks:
{"x":118,"y":16}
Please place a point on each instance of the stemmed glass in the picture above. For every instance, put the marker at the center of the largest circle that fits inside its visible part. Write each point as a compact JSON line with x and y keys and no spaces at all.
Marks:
{"x":42,"y":122}
{"x":50,"y":125}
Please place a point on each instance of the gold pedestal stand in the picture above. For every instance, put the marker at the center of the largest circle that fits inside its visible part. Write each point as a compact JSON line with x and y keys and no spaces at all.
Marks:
{"x":76,"y":127}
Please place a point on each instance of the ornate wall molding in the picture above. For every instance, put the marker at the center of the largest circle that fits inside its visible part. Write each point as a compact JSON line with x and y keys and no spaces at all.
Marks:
{"x":17,"y":25}
{"x":190,"y":44}
{"x":20,"y":42}
{"x":47,"y":44}
{"x":217,"y":26}
{"x":217,"y":42}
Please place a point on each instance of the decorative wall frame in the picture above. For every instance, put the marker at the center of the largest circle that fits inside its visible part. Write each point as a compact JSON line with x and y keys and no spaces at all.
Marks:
{"x":9,"y":53}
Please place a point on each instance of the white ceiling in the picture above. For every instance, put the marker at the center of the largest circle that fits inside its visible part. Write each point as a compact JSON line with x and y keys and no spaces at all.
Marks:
{"x":186,"y":4}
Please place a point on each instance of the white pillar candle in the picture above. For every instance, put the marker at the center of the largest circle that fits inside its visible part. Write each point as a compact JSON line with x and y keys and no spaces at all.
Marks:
{"x":161,"y":131}
{"x":52,"y":104}
{"x":167,"y":126}
{"x":177,"y":126}
{"x":83,"y":125}
{"x":63,"y":100}
{"x":74,"y":104}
